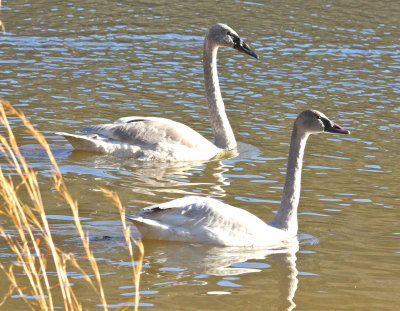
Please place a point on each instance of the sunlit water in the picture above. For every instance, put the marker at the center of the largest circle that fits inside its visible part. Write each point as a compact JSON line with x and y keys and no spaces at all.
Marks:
{"x":72,"y":63}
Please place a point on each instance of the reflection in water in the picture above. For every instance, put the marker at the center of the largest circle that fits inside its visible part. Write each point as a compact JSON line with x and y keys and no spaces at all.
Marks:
{"x":148,"y":180}
{"x":287,"y":280}
{"x":195,"y":259}
{"x":155,"y":178}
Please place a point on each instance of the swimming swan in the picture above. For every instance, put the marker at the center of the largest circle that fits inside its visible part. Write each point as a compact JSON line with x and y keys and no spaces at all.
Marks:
{"x":160,"y":139}
{"x":206,"y":220}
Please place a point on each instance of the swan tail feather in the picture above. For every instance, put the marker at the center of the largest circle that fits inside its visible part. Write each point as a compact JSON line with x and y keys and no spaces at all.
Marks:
{"x":148,"y":228}
{"x":101,"y":144}
{"x":145,"y":221}
{"x":81,"y":142}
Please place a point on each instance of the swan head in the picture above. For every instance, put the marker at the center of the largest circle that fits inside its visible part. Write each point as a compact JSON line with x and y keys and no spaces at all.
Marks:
{"x":222,"y":35}
{"x":313,"y":121}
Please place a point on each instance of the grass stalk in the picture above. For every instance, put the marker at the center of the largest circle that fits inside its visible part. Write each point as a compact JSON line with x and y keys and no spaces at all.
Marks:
{"x":30,"y":237}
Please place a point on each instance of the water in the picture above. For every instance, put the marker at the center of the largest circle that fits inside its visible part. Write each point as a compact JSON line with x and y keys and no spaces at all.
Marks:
{"x":72,"y":63}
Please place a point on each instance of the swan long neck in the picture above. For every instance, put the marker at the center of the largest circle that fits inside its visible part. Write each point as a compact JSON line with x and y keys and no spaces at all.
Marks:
{"x":286,"y":218}
{"x":223,"y":134}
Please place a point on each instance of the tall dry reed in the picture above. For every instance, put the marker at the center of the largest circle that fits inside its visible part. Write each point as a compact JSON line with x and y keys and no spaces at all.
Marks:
{"x":3,"y":29}
{"x":28,"y":234}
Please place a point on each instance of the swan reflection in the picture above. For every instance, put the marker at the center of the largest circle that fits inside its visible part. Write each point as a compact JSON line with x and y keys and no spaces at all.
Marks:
{"x":152,"y":179}
{"x":193,"y":263}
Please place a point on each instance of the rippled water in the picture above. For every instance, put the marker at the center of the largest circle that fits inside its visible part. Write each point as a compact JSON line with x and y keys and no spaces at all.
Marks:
{"x":72,"y":63}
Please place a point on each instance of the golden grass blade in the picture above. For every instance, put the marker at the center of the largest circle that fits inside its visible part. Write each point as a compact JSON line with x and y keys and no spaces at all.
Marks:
{"x":136,"y":269}
{"x":32,"y":240}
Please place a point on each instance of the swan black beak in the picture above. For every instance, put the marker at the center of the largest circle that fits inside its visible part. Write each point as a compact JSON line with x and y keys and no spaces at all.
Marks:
{"x":335,"y":128}
{"x":241,"y":46}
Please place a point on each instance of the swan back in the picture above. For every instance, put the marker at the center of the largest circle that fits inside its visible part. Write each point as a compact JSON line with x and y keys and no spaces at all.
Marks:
{"x":204,"y":220}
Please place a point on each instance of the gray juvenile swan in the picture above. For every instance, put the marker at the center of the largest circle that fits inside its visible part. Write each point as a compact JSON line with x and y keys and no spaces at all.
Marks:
{"x":206,"y":220}
{"x":160,"y":139}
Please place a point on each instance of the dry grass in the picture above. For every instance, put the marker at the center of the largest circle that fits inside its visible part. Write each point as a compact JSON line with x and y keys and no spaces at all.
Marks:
{"x":29,"y":236}
{"x":3,"y":29}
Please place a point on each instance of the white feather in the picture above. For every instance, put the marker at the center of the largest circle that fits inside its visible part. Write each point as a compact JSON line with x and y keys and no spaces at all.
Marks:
{"x":159,"y":139}
{"x":206,"y":220}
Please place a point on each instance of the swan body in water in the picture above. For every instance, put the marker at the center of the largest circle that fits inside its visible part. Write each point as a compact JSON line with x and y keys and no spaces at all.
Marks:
{"x":206,"y":220}
{"x":160,"y":139}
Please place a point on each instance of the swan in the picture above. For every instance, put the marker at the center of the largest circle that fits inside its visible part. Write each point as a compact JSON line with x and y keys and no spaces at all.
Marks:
{"x":207,"y":220}
{"x":160,"y":139}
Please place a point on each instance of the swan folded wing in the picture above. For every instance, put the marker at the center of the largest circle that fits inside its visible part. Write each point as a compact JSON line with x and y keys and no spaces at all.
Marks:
{"x":185,"y":212}
{"x":206,"y":220}
{"x":148,"y":132}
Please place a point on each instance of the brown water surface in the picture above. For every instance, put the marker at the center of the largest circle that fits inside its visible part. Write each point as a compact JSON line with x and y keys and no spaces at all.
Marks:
{"x":68,"y":64}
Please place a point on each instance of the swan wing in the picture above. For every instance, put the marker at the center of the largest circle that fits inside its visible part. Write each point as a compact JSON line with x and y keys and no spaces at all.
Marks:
{"x":202,"y":220}
{"x":144,"y":138}
{"x":148,"y":131}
